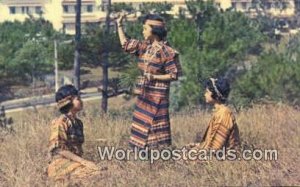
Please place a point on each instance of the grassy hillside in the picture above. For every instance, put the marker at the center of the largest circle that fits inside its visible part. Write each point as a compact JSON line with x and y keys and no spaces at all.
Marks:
{"x":23,"y":155}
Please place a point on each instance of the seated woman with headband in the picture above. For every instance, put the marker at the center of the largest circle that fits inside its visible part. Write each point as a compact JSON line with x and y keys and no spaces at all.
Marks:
{"x":222,"y":130}
{"x":66,"y":139}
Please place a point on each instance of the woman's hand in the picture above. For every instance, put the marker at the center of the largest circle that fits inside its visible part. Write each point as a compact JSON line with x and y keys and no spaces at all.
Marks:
{"x":120,"y":19}
{"x":190,"y":145}
{"x":121,"y":33}
{"x":90,"y":165}
{"x":72,"y":156}
{"x":193,"y":145}
{"x":149,"y":76}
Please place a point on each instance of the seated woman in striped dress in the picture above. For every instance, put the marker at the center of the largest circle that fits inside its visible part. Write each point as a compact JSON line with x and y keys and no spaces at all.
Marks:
{"x":66,"y":139}
{"x":222,"y":130}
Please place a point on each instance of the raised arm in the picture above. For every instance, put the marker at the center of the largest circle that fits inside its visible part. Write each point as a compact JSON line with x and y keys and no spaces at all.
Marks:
{"x":132,"y":46}
{"x":121,"y":33}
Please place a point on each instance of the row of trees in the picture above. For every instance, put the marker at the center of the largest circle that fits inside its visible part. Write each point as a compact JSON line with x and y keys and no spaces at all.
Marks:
{"x":211,"y":43}
{"x":231,"y":45}
{"x":25,"y":49}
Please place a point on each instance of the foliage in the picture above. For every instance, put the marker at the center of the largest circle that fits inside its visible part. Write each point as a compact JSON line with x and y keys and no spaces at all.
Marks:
{"x":210,"y":42}
{"x":118,"y":7}
{"x":275,"y":77}
{"x":95,"y":42}
{"x":156,"y":8}
{"x":223,"y":40}
{"x":26,"y":48}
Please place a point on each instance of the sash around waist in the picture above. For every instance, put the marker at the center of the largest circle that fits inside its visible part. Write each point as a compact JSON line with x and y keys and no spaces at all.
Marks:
{"x":163,"y":85}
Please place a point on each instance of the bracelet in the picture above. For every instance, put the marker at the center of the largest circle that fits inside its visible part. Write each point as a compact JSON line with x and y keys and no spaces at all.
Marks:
{"x":120,"y":25}
{"x":153,"y":77}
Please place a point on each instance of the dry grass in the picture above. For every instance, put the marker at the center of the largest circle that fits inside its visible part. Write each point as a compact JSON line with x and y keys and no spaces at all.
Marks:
{"x":23,"y":155}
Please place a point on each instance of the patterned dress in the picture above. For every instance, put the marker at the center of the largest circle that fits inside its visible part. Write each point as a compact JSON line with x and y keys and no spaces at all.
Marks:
{"x":222,"y":131}
{"x":66,"y":134}
{"x":151,"y":123}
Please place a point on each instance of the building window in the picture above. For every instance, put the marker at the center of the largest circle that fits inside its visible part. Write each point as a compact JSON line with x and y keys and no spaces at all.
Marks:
{"x":297,"y":2}
{"x":90,"y":8}
{"x":64,"y":27}
{"x":12,"y":10}
{"x":268,"y":5}
{"x":244,"y":5}
{"x":286,"y":5}
{"x":38,"y":10}
{"x":25,"y":10}
{"x":182,"y":11}
{"x":104,"y":5}
{"x":233,"y":5}
{"x":66,"y":8}
{"x":69,"y":26}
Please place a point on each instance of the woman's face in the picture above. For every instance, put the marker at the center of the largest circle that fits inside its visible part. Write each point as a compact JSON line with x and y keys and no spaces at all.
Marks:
{"x":147,"y":32}
{"x":77,"y":104}
{"x":208,"y":96}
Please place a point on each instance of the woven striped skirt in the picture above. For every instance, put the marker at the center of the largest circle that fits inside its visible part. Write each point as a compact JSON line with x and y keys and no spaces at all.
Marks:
{"x":151,"y":123}
{"x":62,"y":168}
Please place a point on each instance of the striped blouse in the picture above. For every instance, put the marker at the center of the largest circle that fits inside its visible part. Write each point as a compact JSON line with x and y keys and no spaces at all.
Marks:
{"x":66,"y":134}
{"x":156,"y":58}
{"x":222,"y":131}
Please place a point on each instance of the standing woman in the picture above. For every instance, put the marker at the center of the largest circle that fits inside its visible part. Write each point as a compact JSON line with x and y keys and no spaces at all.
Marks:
{"x":159,"y":65}
{"x":66,"y":139}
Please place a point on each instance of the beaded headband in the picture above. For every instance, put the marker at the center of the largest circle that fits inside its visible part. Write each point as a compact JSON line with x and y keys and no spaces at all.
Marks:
{"x":215,"y":88}
{"x":65,"y":101}
{"x":155,"y":23}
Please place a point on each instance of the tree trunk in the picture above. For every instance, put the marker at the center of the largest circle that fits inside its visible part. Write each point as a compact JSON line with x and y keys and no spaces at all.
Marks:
{"x":76,"y":76}
{"x":56,"y":65}
{"x":105,"y":61}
